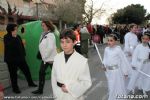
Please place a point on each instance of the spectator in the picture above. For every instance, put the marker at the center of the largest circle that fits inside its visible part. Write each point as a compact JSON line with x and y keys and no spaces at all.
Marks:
{"x":47,"y":52}
{"x":14,"y":56}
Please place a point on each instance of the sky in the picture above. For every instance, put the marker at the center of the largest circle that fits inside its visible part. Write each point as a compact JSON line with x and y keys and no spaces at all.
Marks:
{"x":111,"y":6}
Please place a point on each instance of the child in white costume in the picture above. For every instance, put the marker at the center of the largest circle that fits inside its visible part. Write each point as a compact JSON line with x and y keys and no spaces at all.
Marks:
{"x":131,"y":41}
{"x":141,"y":61}
{"x":116,"y":66}
{"x":70,"y":73}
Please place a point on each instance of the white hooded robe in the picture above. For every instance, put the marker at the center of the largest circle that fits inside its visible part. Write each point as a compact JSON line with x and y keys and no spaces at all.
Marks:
{"x":74,"y":74}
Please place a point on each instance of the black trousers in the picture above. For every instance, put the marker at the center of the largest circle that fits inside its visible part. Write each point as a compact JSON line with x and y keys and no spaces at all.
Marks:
{"x":13,"y":68}
{"x":42,"y":74}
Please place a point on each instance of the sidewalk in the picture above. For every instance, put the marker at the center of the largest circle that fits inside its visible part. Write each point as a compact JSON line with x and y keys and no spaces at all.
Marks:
{"x":26,"y":92}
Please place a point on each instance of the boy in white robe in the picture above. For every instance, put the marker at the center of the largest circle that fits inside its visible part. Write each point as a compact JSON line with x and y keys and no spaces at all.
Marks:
{"x":131,"y":41}
{"x":116,"y":67}
{"x":141,"y":61}
{"x":70,"y":73}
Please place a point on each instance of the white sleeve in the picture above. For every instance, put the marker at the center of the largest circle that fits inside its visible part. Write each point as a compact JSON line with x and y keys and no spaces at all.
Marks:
{"x":78,"y":88}
{"x":46,"y":46}
{"x":134,"y":62}
{"x":126,"y":48}
{"x":54,"y":81}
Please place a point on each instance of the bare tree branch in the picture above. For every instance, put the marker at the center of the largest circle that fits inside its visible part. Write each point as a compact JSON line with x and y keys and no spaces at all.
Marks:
{"x":92,"y":12}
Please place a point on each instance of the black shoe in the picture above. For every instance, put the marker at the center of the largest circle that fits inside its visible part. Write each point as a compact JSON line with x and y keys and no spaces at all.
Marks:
{"x":37,"y":92}
{"x":32,"y":85}
{"x":17,"y":91}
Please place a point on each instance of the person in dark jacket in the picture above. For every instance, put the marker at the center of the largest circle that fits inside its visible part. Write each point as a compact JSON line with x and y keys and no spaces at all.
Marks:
{"x":14,"y":56}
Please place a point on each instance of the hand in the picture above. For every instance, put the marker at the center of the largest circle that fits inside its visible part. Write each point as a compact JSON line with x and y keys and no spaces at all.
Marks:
{"x":63,"y":88}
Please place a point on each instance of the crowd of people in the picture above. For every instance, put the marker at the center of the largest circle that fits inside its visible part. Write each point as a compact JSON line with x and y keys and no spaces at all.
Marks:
{"x":120,"y":30}
{"x":70,"y":75}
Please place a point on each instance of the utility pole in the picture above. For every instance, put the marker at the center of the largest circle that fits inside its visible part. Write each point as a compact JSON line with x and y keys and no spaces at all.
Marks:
{"x":37,"y":10}
{"x":37,"y":2}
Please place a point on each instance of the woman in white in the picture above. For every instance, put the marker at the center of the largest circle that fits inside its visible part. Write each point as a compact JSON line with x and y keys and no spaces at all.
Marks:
{"x":116,"y":67}
{"x":70,"y":73}
{"x":47,"y":52}
{"x":141,"y":61}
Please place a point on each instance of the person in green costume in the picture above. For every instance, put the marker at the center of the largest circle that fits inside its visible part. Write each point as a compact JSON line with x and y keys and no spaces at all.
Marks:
{"x":30,"y":33}
{"x":47,"y":52}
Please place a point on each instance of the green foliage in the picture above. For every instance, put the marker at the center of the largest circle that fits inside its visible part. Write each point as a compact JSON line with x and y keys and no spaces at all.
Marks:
{"x":130,"y":14}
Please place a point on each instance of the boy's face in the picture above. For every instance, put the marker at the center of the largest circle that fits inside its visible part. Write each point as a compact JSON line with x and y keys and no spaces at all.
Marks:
{"x":67,"y":45}
{"x":134,"y":29}
{"x":14,"y":33}
{"x":145,"y":39}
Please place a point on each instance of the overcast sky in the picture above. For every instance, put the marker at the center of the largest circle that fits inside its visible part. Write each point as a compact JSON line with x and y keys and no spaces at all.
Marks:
{"x":113,"y":5}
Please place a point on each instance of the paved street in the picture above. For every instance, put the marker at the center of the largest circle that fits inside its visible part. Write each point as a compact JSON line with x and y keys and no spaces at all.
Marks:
{"x":98,"y":91}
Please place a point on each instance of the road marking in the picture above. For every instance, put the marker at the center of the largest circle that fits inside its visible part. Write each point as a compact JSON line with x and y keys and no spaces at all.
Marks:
{"x":93,"y":88}
{"x":93,"y":80}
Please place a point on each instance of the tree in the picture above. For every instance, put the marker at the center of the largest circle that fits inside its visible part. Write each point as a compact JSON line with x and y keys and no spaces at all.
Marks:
{"x":147,"y":17}
{"x":69,"y":11}
{"x":130,"y":14}
{"x":91,"y":12}
{"x":44,"y":11}
{"x":11,"y":14}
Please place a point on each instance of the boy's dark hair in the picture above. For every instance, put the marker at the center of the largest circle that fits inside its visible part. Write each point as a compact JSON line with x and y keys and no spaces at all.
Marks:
{"x":76,"y":26}
{"x":114,"y":36}
{"x":147,"y":34}
{"x":132,"y":25}
{"x":10,"y":27}
{"x":68,"y":33}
